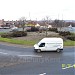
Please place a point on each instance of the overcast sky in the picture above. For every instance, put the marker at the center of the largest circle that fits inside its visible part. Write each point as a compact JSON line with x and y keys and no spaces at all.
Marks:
{"x":55,"y":9}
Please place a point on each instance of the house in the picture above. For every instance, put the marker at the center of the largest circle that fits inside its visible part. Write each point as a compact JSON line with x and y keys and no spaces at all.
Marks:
{"x":8,"y":23}
{"x":37,"y":25}
{"x":1,"y":22}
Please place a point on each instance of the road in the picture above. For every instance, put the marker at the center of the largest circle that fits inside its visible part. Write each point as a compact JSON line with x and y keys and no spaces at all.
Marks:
{"x":8,"y":30}
{"x":24,"y":61}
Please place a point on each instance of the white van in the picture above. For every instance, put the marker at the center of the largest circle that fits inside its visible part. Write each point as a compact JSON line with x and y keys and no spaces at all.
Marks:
{"x":49,"y":44}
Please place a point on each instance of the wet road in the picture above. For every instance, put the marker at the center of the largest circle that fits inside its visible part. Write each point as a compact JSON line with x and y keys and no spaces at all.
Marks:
{"x":24,"y":61}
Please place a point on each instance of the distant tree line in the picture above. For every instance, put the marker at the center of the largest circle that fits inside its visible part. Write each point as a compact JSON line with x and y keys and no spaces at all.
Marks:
{"x":59,"y":23}
{"x":46,"y":21}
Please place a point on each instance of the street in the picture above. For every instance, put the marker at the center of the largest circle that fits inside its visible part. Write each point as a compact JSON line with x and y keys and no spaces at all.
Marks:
{"x":24,"y":61}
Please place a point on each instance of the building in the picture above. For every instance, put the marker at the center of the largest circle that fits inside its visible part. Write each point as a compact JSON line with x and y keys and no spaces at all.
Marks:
{"x":1,"y":22}
{"x":8,"y":23}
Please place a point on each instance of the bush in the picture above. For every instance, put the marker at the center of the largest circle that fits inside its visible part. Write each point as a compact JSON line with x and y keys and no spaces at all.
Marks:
{"x":6,"y":35}
{"x":68,"y":35}
{"x":64,"y":33}
{"x":53,"y":29}
{"x":34,"y":29}
{"x":29,"y":30}
{"x":14,"y":34}
{"x":19,"y":34}
{"x":71,"y":37}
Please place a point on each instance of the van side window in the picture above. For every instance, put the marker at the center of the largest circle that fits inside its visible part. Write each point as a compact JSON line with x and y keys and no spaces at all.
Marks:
{"x":42,"y":45}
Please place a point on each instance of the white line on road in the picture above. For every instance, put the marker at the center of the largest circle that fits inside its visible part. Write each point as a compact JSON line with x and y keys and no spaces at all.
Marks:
{"x":3,"y":53}
{"x":23,"y":55}
{"x":30,"y":55}
{"x":43,"y":74}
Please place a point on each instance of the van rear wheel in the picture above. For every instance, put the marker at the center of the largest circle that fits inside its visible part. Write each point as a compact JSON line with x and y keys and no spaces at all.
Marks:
{"x":38,"y":50}
{"x":58,"y":50}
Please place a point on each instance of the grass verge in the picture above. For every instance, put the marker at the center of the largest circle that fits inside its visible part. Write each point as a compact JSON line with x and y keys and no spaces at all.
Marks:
{"x":2,"y":33}
{"x":14,"y":41}
{"x":69,"y":43}
{"x":31,"y":43}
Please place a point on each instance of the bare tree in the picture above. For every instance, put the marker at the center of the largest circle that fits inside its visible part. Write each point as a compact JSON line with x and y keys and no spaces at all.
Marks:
{"x":22,"y":18}
{"x":46,"y":21}
{"x":22,"y":21}
{"x":59,"y":23}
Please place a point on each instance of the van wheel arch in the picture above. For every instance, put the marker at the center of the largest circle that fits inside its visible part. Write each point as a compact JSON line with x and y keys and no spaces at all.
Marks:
{"x":39,"y":50}
{"x":58,"y":50}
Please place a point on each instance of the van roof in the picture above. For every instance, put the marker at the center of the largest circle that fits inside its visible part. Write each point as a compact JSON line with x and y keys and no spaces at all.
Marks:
{"x":52,"y":39}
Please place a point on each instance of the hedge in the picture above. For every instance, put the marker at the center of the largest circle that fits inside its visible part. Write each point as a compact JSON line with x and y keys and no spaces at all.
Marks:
{"x":14,"y":34}
{"x":68,"y":35}
{"x":64,"y":33}
{"x":53,"y":29}
{"x":33,"y":29}
{"x":71,"y":37}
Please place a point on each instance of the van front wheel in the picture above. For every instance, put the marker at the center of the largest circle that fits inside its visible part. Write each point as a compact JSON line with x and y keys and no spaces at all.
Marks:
{"x":38,"y":50}
{"x":58,"y":50}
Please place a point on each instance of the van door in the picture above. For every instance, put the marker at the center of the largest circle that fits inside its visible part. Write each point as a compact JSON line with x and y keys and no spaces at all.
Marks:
{"x":42,"y":46}
{"x":50,"y":47}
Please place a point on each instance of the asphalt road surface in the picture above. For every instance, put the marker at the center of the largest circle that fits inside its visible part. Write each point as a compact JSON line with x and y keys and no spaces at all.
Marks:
{"x":24,"y":61}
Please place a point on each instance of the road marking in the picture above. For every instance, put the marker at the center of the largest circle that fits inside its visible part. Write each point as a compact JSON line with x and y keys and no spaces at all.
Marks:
{"x":30,"y":55}
{"x":3,"y":53}
{"x":23,"y":55}
{"x":43,"y":74}
{"x":68,"y":67}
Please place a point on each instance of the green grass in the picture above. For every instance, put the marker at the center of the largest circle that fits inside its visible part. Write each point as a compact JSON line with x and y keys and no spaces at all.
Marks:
{"x":14,"y":41}
{"x":31,"y":43}
{"x":69,"y":43}
{"x":2,"y":33}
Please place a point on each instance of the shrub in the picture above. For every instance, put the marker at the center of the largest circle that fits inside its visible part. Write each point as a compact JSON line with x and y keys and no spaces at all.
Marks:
{"x":19,"y":34}
{"x":68,"y":35}
{"x":64,"y":33}
{"x":6,"y":35}
{"x":71,"y":37}
{"x":28,"y":30}
{"x":14,"y":34}
{"x":53,"y":29}
{"x":34,"y":29}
